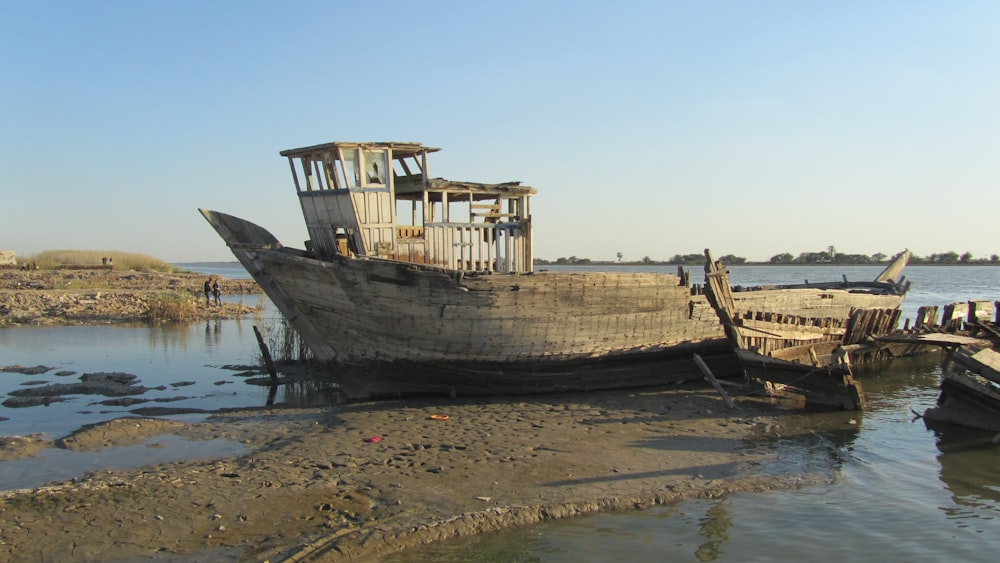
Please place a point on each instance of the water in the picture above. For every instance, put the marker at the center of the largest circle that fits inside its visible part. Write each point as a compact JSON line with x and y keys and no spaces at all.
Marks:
{"x":194,"y":369}
{"x":898,"y":489}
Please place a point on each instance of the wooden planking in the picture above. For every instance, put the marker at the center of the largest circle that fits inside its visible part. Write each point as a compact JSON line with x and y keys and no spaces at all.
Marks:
{"x":927,"y":316}
{"x":985,"y":362}
{"x":954,"y":316}
{"x":480,"y":329}
{"x":981,"y":311}
{"x":794,"y":322}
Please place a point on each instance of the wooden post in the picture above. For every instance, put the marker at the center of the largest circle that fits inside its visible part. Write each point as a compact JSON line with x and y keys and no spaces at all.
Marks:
{"x":267,"y":356}
{"x":715,"y":382}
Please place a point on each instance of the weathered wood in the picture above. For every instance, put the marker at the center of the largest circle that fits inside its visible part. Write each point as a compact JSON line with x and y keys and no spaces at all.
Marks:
{"x":980,"y":312}
{"x":954,"y":315}
{"x":453,"y":297}
{"x":927,"y":317}
{"x":710,"y":377}
{"x":799,"y":343}
{"x":933,"y":339}
{"x":966,"y":402}
{"x":982,"y":361}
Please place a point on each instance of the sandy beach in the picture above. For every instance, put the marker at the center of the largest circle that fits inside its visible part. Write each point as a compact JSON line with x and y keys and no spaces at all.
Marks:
{"x":353,"y":482}
{"x":356,"y":481}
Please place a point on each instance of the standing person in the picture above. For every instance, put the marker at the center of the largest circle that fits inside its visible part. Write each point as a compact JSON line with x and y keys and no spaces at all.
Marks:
{"x":208,"y":292}
{"x":217,"y":291}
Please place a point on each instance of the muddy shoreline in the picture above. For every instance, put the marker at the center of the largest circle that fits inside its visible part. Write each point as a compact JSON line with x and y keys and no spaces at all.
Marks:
{"x":356,"y":481}
{"x":353,"y":482}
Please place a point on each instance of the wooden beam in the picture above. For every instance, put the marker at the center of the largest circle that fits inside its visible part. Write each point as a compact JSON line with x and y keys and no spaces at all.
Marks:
{"x":710,"y":377}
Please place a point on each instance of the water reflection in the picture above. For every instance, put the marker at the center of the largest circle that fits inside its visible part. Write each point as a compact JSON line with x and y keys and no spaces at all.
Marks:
{"x":968,"y":460}
{"x":714,"y":526}
{"x":806,"y":443}
{"x":212,"y":359}
{"x":166,"y":337}
{"x":213,"y":334}
{"x":310,"y":394}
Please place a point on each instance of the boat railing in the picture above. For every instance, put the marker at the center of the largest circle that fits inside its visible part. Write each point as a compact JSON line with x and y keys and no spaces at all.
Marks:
{"x":478,"y":247}
{"x":409,"y":232}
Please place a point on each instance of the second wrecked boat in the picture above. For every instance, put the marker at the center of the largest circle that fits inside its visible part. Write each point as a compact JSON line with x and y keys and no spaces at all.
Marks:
{"x":800,"y":344}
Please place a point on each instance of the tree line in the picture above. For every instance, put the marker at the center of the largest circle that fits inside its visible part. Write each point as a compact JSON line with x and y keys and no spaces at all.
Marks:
{"x":828,"y":256}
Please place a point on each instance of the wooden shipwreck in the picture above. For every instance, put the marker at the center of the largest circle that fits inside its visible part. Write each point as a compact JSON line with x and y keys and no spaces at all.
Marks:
{"x":416,"y":284}
{"x":970,"y":390}
{"x":799,"y":340}
{"x":970,"y":376}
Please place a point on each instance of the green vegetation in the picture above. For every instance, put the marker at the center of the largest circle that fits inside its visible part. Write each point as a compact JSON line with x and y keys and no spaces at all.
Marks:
{"x":53,"y":259}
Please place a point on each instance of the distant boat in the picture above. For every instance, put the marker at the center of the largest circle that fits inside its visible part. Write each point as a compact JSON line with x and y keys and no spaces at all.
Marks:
{"x":410,"y":284}
{"x":800,"y":343}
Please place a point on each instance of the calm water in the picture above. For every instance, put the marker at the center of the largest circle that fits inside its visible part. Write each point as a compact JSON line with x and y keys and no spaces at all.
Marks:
{"x":898,"y":490}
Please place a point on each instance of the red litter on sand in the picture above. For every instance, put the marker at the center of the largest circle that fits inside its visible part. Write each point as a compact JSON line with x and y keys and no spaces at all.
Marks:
{"x":374,"y":439}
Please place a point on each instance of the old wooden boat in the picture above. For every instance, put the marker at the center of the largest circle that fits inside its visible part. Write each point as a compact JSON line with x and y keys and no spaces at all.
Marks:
{"x":970,"y":389}
{"x":414,"y":284}
{"x":799,"y":342}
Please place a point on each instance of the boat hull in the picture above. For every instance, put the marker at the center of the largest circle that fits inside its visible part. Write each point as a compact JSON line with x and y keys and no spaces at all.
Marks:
{"x":801,"y":386}
{"x":387,"y":327}
{"x":966,"y":402}
{"x":801,"y":348}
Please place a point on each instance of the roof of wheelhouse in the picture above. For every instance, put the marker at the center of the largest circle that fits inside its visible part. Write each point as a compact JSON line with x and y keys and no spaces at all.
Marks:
{"x":399,"y":149}
{"x":478,"y":190}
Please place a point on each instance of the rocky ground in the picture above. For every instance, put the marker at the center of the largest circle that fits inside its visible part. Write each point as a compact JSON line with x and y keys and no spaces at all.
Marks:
{"x":46,"y":297}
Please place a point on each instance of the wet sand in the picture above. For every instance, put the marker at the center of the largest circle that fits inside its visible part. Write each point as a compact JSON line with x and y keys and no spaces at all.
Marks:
{"x":356,"y":481}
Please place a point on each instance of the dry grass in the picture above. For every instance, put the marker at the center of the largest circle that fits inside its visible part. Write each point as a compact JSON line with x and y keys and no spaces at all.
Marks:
{"x":284,"y":343}
{"x":172,"y":306}
{"x":52,"y":259}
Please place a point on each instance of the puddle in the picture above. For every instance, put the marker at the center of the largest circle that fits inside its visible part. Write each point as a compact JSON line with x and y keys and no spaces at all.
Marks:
{"x":54,"y":464}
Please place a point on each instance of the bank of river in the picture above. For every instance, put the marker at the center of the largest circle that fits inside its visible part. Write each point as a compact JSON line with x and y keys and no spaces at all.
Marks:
{"x":314,"y":483}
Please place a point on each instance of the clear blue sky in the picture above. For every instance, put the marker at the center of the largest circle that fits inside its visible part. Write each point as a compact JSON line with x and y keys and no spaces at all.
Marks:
{"x":650,"y":128}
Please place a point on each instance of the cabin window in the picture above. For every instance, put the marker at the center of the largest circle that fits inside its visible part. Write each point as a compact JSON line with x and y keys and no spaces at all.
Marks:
{"x":350,"y":164}
{"x":375,"y":166}
{"x":406,"y":167}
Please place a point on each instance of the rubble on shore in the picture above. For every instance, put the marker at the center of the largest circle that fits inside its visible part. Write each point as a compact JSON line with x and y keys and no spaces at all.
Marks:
{"x":81,"y":297}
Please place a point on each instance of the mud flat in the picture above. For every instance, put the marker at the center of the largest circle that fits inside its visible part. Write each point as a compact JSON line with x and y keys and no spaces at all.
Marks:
{"x":356,"y":481}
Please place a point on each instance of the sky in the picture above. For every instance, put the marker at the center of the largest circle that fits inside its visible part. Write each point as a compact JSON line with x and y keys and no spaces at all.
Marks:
{"x":650,"y":129}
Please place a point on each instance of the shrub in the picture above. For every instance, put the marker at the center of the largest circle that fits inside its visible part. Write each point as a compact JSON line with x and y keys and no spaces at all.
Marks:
{"x":172,"y":306}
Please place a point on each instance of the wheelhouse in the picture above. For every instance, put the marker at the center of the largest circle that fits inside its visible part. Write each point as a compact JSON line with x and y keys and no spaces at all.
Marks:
{"x":377,"y":200}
